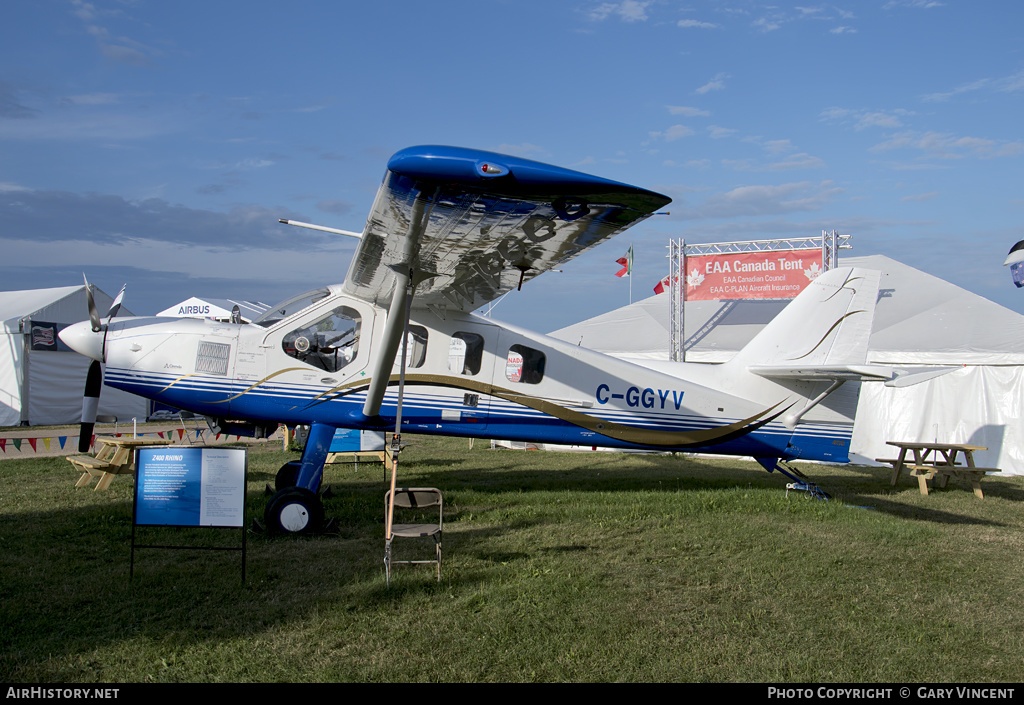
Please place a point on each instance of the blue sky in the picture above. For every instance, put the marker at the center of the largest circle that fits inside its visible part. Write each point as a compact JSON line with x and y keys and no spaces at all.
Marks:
{"x":158,"y":143}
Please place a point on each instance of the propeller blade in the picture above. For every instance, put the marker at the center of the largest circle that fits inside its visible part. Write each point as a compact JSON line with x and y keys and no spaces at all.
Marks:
{"x":94,"y":315}
{"x":117,"y":304}
{"x":90,"y":403}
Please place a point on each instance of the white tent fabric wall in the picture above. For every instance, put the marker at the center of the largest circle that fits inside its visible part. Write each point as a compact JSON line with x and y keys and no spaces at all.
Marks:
{"x":978,"y":404}
{"x":920,"y":320}
{"x":45,"y":387}
{"x":11,"y":347}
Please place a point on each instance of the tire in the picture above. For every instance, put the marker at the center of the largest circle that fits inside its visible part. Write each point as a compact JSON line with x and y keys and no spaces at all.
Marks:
{"x":287,"y":475}
{"x":294,"y":510}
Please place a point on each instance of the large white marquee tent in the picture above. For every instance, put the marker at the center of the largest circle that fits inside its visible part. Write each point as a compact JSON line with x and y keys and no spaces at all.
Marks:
{"x":41,"y":381}
{"x":217,"y":309}
{"x":920,"y":320}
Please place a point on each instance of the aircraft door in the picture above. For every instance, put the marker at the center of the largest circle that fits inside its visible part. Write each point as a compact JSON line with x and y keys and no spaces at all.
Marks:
{"x":471,"y":359}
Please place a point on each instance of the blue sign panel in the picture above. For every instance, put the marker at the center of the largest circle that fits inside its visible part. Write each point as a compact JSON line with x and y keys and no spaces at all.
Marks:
{"x":190,"y":487}
{"x":350,"y":439}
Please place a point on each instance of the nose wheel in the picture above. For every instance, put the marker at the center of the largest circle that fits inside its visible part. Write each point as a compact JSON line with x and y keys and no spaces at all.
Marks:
{"x":294,"y":510}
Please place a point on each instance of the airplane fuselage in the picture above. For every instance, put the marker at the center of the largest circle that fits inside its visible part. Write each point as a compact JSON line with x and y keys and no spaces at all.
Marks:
{"x":466,"y":375}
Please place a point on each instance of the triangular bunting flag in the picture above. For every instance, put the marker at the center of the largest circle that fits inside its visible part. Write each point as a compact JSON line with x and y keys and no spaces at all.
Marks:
{"x":3,"y":444}
{"x":32,"y":442}
{"x":63,"y":440}
{"x":17,"y":443}
{"x":46,"y":442}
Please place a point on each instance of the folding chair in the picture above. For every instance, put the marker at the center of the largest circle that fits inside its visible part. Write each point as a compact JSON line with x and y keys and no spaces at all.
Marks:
{"x":415,"y":503}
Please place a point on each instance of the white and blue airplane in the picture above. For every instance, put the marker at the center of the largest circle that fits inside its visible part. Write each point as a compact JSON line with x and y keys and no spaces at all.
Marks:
{"x":452,"y":229}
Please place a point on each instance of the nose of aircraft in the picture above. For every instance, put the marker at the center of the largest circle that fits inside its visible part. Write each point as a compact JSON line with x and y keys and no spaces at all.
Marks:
{"x":81,"y":338}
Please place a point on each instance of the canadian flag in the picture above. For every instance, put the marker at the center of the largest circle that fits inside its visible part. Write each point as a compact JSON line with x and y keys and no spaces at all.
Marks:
{"x":627,"y":263}
{"x":663,"y":286}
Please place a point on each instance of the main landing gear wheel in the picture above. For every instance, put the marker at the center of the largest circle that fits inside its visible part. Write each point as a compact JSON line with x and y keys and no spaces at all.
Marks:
{"x":294,"y":510}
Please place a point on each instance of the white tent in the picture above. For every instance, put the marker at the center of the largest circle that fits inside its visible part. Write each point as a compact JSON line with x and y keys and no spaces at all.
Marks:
{"x":920,"y":320}
{"x":218,"y":309}
{"x":41,"y":380}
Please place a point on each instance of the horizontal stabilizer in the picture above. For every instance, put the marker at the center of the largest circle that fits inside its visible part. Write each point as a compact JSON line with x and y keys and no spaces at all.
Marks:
{"x":907,"y":378}
{"x":891,"y":376}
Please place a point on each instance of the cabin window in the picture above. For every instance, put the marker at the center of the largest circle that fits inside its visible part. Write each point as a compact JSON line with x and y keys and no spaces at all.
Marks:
{"x":465,"y":353}
{"x":329,"y":343}
{"x":416,"y":346}
{"x":283,"y":310}
{"x":524,"y":365}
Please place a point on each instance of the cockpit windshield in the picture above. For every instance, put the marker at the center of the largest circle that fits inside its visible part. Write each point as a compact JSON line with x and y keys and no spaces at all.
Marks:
{"x":291,"y":306}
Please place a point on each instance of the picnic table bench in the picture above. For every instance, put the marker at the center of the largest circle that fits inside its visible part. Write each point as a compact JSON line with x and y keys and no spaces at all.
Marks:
{"x":936,"y":462}
{"x":114,"y":456}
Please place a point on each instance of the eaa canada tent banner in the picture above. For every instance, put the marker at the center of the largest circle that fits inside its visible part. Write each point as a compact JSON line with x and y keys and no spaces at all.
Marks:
{"x":750,"y":275}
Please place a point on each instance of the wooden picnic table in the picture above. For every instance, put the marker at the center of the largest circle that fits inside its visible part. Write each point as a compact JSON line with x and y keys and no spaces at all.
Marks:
{"x":937,"y":461}
{"x":114,"y":456}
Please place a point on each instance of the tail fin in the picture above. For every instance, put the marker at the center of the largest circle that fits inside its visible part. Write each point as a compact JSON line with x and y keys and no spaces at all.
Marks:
{"x":828,"y":324}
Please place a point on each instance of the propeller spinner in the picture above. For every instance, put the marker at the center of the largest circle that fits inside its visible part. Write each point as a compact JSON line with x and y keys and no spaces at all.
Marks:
{"x":89,"y":338}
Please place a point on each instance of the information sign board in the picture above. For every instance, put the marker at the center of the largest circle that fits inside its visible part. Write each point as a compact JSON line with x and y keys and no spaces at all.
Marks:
{"x":190,"y":487}
{"x":750,"y":275}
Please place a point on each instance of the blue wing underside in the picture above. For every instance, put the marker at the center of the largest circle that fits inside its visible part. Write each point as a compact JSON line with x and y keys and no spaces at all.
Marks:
{"x":475,"y":225}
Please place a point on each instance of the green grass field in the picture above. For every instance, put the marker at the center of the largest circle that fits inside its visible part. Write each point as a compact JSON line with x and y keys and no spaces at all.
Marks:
{"x":558,"y":567}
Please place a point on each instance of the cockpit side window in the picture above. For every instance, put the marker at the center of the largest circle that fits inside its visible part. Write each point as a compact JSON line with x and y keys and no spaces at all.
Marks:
{"x":329,"y":343}
{"x":289,"y":307}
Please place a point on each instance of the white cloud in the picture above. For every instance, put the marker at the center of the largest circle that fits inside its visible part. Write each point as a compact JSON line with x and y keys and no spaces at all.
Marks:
{"x":687,"y":24}
{"x":946,"y":146}
{"x":120,"y":49}
{"x":715,"y":84}
{"x":761,"y":200}
{"x":93,"y":99}
{"x":673,"y":133}
{"x":627,"y":11}
{"x":1006,"y":84}
{"x":791,"y":162}
{"x":687,"y":112}
{"x":863,"y":119}
{"x":765,"y":25}
{"x":916,"y":4}
{"x":777,"y":146}
{"x":716,"y":132}
{"x":878,"y":119}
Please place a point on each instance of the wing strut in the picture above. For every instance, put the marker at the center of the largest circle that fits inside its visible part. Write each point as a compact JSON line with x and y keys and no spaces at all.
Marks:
{"x":393,"y":335}
{"x":401,"y":303}
{"x":396,"y":438}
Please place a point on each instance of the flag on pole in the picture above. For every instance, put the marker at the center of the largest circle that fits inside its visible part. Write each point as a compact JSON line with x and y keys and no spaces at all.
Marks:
{"x":664,"y":284}
{"x":627,"y":263}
